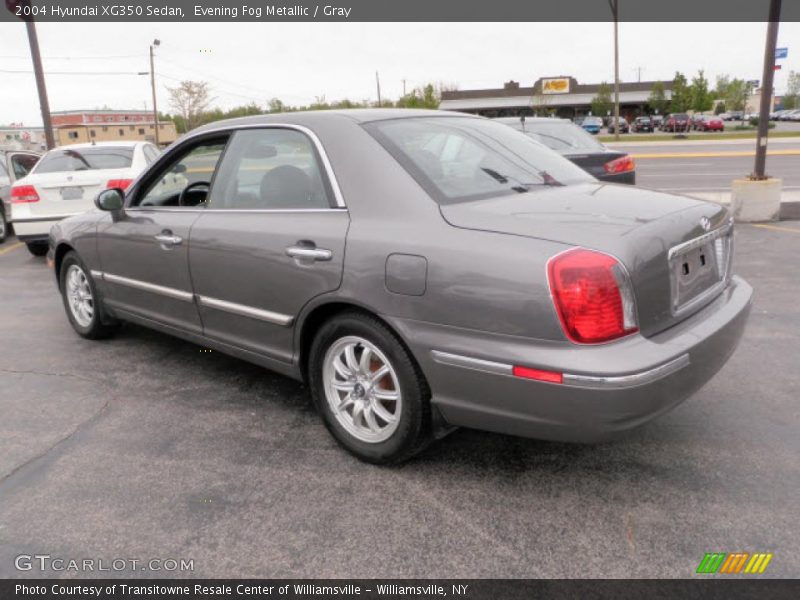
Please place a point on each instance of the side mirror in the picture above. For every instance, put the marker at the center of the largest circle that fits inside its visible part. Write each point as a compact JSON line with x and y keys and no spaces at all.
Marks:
{"x":111,"y":200}
{"x":179,"y":168}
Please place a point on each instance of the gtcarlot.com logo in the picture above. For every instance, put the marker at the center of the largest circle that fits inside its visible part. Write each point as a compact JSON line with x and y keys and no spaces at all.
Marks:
{"x":45,"y":562}
{"x":734,"y":563}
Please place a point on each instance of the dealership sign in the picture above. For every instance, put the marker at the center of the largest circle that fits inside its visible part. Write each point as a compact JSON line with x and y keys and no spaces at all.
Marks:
{"x":555,"y":86}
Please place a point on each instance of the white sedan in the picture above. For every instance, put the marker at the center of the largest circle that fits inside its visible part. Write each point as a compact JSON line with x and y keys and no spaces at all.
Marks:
{"x":66,"y":181}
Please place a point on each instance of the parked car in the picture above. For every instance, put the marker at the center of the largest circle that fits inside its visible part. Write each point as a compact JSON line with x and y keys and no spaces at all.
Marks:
{"x":658,"y":121}
{"x":65,"y":182}
{"x":735,"y":115}
{"x":792,"y":115}
{"x":677,"y":122}
{"x":709,"y":123}
{"x":642,"y":124}
{"x":14,"y":164}
{"x":572,"y":142}
{"x":592,"y":124}
{"x":420,"y":270}
{"x":623,"y":125}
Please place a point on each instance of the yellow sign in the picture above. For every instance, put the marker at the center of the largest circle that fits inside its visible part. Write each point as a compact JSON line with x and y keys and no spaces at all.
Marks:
{"x":555,"y":86}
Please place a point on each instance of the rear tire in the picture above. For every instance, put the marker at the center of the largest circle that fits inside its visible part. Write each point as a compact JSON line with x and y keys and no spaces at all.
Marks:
{"x":3,"y":224}
{"x":81,"y":301}
{"x":381,"y":419}
{"x":37,"y":248}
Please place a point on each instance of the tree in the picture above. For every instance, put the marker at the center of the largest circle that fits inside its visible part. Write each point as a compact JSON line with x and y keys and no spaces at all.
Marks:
{"x":681,"y":95}
{"x":602,"y":103}
{"x":736,"y":94}
{"x":427,"y":96}
{"x":701,"y":97}
{"x":719,"y":108}
{"x":791,"y":99}
{"x":658,"y":100}
{"x":733,"y":92}
{"x":190,"y":99}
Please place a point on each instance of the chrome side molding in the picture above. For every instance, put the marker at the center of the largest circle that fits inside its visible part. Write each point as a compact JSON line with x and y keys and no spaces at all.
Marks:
{"x":246,"y":311}
{"x":231,"y":307}
{"x":468,"y":362}
{"x":147,"y":287}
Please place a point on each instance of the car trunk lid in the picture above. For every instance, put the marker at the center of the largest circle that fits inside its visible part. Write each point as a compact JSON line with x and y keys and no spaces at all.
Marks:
{"x":72,"y":192}
{"x":662,"y":239}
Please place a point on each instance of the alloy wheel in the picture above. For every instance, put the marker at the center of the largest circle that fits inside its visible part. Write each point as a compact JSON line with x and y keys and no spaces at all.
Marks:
{"x":362,"y":389}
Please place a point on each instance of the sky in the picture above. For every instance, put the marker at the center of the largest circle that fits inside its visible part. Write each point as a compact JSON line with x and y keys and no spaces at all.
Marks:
{"x":298,"y":62}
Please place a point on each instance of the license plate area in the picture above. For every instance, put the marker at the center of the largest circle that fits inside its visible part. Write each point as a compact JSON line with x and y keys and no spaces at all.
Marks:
{"x":72,"y":193}
{"x":699,"y":269}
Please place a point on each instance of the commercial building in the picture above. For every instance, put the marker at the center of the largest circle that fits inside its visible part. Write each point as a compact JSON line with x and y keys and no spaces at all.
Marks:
{"x":77,"y":126}
{"x":18,"y":137}
{"x":562,"y":96}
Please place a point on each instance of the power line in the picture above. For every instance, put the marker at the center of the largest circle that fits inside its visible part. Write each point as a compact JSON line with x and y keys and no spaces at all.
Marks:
{"x":29,"y":72}
{"x":21,"y":56}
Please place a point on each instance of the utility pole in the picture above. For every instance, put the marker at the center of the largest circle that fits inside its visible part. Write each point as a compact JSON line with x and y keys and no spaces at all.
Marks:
{"x":38,"y":71}
{"x":404,"y":87}
{"x":614,"y":4}
{"x":378,"y":85}
{"x":767,"y":80}
{"x":153,"y":86}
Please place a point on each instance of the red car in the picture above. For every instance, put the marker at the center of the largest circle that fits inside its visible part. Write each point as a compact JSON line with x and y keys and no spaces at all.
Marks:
{"x":710,"y":123}
{"x":677,"y":122}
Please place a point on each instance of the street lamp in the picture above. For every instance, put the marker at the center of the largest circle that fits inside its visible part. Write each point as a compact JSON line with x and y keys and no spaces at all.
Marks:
{"x":153,"y":86}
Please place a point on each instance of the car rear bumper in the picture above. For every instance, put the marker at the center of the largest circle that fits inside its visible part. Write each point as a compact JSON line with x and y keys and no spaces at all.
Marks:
{"x":35,"y":228}
{"x":607,"y":389}
{"x":628,"y":177}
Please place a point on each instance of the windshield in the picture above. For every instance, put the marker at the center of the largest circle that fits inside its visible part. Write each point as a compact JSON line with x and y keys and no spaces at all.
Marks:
{"x":458,"y":159}
{"x":86,"y":159}
{"x":561,"y":136}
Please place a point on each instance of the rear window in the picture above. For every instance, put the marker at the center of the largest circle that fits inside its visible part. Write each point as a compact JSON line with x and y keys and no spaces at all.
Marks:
{"x":592,"y":121}
{"x":560,"y":136}
{"x":460,"y":159}
{"x":86,"y":159}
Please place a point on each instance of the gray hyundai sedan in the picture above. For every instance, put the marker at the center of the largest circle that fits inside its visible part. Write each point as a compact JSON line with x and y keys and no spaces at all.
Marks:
{"x":419,"y":270}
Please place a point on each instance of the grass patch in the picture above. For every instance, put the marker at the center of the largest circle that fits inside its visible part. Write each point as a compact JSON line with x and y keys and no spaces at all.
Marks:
{"x":698,"y":136}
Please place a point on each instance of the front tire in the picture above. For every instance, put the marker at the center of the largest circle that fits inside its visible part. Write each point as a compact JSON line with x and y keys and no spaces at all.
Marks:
{"x":369,"y":390}
{"x":37,"y":248}
{"x":81,"y":301}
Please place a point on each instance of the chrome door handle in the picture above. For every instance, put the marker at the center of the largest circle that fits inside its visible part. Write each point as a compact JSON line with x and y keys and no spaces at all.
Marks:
{"x":309,"y":253}
{"x":168,"y":240}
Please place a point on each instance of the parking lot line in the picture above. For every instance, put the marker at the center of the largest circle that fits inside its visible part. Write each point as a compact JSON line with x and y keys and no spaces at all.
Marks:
{"x":776,"y":228}
{"x":790,"y":152}
{"x":11,"y":247}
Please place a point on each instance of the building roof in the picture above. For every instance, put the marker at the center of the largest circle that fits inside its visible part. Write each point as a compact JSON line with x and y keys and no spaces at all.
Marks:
{"x":512,"y":95}
{"x":101,"y":111}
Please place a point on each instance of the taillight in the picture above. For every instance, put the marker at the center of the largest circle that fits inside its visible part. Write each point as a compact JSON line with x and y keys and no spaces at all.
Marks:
{"x":118,"y":183}
{"x":593,"y":296}
{"x":24,"y":193}
{"x":623,"y":164}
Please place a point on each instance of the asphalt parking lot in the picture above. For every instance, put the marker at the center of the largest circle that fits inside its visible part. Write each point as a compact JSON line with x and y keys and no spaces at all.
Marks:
{"x":144,"y":446}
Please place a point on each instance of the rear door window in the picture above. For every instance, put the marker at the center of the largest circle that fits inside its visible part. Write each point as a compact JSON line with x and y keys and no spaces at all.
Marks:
{"x":22,"y":164}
